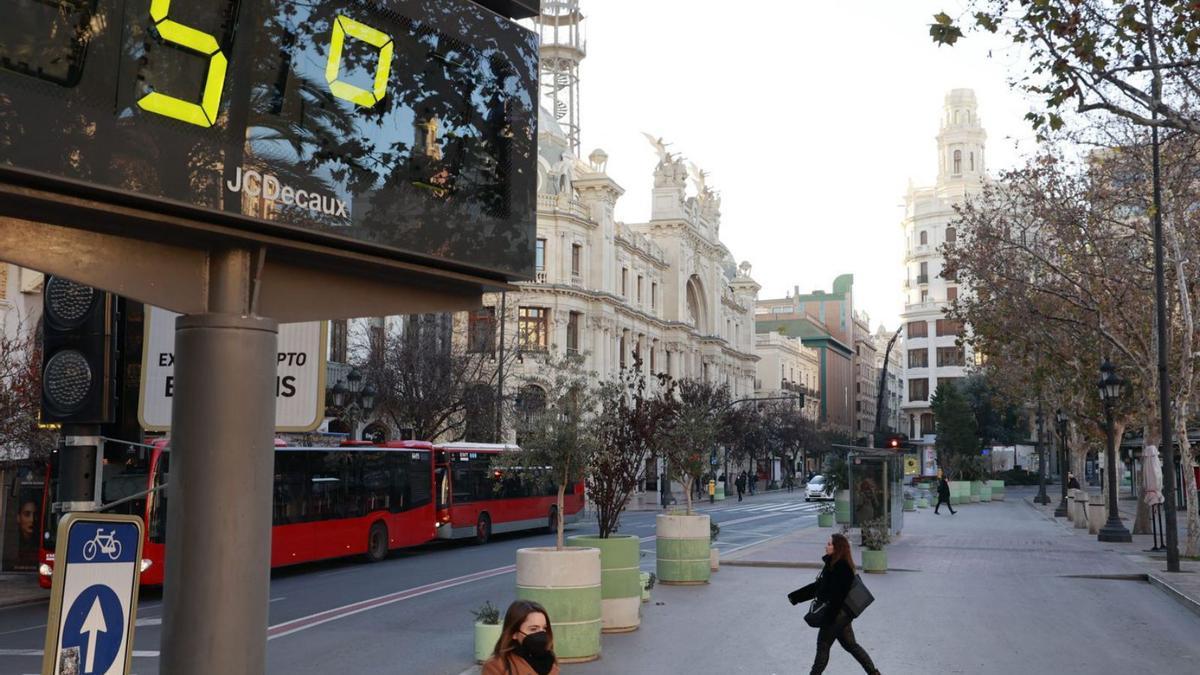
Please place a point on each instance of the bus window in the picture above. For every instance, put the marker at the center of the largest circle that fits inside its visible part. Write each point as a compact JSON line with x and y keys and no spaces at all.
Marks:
{"x":291,"y":488}
{"x":376,"y":482}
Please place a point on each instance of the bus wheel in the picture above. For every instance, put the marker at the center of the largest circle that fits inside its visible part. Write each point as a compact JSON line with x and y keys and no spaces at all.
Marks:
{"x":377,"y":543}
{"x":552,"y":522}
{"x":483,"y":529}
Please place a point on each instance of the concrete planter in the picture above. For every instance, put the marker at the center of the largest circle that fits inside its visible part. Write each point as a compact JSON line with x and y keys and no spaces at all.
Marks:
{"x":1081,"y":501}
{"x":997,"y":490}
{"x":682,"y":549}
{"x":985,"y":492}
{"x":910,"y":505}
{"x":645,"y":579}
{"x":714,"y":559}
{"x":976,"y":491}
{"x":720,"y":492}
{"x":824,"y":520}
{"x":1096,"y":516}
{"x":874,"y":562}
{"x":568,"y":584}
{"x":486,"y":635}
{"x":922,"y":503}
{"x":960,"y":492}
{"x":841,"y":502}
{"x":620,"y":579}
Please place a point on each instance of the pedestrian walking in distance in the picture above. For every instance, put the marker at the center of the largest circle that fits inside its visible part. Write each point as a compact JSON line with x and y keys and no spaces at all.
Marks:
{"x":944,"y":495}
{"x":741,"y":484}
{"x":1072,"y":482}
{"x":832,"y":586}
{"x":526,"y":644}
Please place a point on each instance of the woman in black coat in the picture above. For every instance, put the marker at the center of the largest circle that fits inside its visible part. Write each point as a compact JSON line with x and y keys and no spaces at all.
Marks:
{"x":832,"y":586}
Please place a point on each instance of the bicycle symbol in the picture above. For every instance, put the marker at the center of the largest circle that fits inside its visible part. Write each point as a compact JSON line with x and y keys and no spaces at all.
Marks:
{"x":102,"y":543}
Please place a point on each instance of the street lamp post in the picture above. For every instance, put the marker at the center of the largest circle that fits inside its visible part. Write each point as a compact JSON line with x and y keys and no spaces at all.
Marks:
{"x":353,"y":401}
{"x":1042,"y":497}
{"x":1110,"y":388}
{"x":1064,"y":461}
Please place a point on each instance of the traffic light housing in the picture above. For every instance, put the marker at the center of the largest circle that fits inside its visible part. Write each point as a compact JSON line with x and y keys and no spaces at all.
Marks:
{"x":895,"y":442}
{"x":79,"y":329}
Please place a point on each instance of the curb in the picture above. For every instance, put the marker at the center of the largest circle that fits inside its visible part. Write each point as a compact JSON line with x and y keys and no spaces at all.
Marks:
{"x":1175,"y":593}
{"x":772,"y":563}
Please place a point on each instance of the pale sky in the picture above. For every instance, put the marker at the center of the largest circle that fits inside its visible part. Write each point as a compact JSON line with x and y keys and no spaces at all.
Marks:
{"x":810,"y":116}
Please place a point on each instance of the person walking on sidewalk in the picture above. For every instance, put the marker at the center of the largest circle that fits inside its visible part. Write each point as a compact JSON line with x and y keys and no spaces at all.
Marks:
{"x":1072,"y":482}
{"x":741,"y":484}
{"x":944,"y":495}
{"x":526,"y":644}
{"x":832,"y":586}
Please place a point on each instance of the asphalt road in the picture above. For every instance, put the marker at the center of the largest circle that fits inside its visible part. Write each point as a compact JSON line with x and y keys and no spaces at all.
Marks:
{"x":409,"y":614}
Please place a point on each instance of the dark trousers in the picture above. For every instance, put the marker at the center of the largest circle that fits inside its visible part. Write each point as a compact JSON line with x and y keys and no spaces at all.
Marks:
{"x":845,"y":637}
{"x":740,"y":490}
{"x":943,"y":500}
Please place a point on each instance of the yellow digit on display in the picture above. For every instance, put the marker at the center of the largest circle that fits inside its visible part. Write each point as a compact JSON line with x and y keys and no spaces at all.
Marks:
{"x":342,"y":27}
{"x":202,"y":114}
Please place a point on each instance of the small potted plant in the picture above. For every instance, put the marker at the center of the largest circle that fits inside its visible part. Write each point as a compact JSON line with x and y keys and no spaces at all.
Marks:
{"x":825,"y":514}
{"x":875,"y":537}
{"x":714,"y":555}
{"x":648,"y":579}
{"x":910,"y":501}
{"x":487,"y":631}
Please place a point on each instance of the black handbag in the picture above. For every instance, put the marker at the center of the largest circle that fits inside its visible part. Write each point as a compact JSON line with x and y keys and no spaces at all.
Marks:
{"x":858,"y":599}
{"x":818,"y":613}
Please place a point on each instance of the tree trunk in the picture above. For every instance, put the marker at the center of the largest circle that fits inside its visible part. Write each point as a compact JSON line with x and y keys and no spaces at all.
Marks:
{"x":1186,"y":463}
{"x":1141,"y":521}
{"x":562,"y":489}
{"x":686,"y":479}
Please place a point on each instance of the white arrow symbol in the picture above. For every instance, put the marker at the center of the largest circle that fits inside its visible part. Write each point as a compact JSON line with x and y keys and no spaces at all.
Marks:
{"x":94,"y":623}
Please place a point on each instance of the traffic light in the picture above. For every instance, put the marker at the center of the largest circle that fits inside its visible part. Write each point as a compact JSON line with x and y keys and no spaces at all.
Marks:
{"x":78,"y":353}
{"x":895,"y":441}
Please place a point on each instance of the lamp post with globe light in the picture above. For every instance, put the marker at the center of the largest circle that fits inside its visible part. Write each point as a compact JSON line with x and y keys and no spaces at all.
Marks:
{"x":1110,"y":389}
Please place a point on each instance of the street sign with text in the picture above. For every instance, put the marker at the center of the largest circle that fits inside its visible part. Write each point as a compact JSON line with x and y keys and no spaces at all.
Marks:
{"x":299,"y":378}
{"x":94,"y":595}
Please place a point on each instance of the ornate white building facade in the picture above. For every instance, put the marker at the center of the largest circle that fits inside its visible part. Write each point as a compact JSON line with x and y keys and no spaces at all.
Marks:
{"x":932,"y":353}
{"x":787,"y":368}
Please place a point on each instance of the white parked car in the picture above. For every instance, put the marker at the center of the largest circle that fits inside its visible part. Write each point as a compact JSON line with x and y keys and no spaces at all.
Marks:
{"x":818,"y":488}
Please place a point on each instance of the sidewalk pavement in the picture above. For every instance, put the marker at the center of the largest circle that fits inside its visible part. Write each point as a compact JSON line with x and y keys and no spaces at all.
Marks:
{"x":1184,"y":587}
{"x":996,"y":589}
{"x":650,"y":501}
{"x":21,"y":588}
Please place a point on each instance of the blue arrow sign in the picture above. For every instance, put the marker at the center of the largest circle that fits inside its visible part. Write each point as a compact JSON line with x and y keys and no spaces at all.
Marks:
{"x":95,"y":624}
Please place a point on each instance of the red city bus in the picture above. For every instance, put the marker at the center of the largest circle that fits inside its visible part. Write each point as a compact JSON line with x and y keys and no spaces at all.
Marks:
{"x":474,"y":501}
{"x":328,"y":502}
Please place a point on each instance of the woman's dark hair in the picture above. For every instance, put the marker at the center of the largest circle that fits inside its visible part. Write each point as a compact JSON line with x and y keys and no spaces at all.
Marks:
{"x":841,"y":550}
{"x":513,"y":618}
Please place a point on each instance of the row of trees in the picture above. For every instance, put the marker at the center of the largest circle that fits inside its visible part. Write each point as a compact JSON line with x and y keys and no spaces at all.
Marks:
{"x":1060,"y":252}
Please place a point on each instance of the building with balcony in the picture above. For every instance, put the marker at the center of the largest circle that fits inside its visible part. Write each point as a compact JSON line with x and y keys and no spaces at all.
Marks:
{"x":933,"y":353}
{"x":787,"y":368}
{"x":866,"y":375}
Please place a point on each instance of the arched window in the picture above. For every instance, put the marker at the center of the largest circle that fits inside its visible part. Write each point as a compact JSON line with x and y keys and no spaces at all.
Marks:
{"x":951,"y":235}
{"x":958,"y":161}
{"x":924,"y":238}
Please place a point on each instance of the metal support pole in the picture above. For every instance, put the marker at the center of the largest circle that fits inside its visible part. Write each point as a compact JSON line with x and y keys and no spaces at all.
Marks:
{"x":1042,"y":497}
{"x":1114,"y":529}
{"x":1063,"y":465}
{"x":219,"y":514}
{"x":77,"y":468}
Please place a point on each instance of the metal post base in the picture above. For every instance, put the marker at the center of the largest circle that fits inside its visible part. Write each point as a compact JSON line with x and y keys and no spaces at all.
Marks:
{"x":218,"y":562}
{"x":1061,"y":511}
{"x":1114,"y":531}
{"x":1042,"y":498}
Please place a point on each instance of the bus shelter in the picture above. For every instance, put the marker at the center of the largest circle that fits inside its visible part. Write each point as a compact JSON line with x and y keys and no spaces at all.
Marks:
{"x":876,"y":487}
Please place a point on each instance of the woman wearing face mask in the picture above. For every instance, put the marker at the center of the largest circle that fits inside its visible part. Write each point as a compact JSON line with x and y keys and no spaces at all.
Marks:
{"x":526,"y":644}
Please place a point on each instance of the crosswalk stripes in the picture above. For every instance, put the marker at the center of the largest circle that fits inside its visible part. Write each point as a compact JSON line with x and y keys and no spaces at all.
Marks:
{"x":784,"y":507}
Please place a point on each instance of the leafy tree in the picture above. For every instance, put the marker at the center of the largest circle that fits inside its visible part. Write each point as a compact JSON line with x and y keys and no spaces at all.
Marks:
{"x":559,"y":435}
{"x":957,"y":436}
{"x":1131,"y":58}
{"x":692,"y":432}
{"x":629,"y":419}
{"x":21,"y":397}
{"x":997,"y":419}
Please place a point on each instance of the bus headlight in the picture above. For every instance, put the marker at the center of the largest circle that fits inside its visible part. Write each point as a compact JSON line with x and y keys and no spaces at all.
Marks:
{"x":146,"y":563}
{"x":45,"y":570}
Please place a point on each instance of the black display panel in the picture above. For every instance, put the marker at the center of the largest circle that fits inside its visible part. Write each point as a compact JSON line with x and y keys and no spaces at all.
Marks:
{"x":407,"y":126}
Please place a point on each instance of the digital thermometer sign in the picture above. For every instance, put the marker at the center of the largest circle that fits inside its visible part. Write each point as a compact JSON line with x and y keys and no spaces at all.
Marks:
{"x":404,"y":127}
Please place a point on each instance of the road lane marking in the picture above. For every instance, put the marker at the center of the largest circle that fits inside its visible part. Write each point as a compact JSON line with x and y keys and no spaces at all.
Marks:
{"x":313,"y":620}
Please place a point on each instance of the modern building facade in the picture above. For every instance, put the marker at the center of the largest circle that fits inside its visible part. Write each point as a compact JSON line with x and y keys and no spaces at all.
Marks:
{"x":933,"y":353}
{"x":866,"y":375}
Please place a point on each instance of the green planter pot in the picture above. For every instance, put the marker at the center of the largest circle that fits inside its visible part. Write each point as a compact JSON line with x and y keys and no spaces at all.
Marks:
{"x":960,"y":492}
{"x":841,"y":502}
{"x":486,"y":635}
{"x":976,"y":491}
{"x":985,"y":492}
{"x":824,"y":520}
{"x":645,"y":579}
{"x":620,"y":579}
{"x":568,"y":584}
{"x":874,"y":562}
{"x":720,"y":492}
{"x":910,"y":505}
{"x":682,"y":549}
{"x":997,"y":489}
{"x":922,"y":503}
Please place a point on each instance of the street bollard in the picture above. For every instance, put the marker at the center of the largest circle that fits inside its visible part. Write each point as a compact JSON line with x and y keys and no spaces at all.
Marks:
{"x":1081,"y":497}
{"x":1095,"y":514}
{"x":1071,"y":505}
